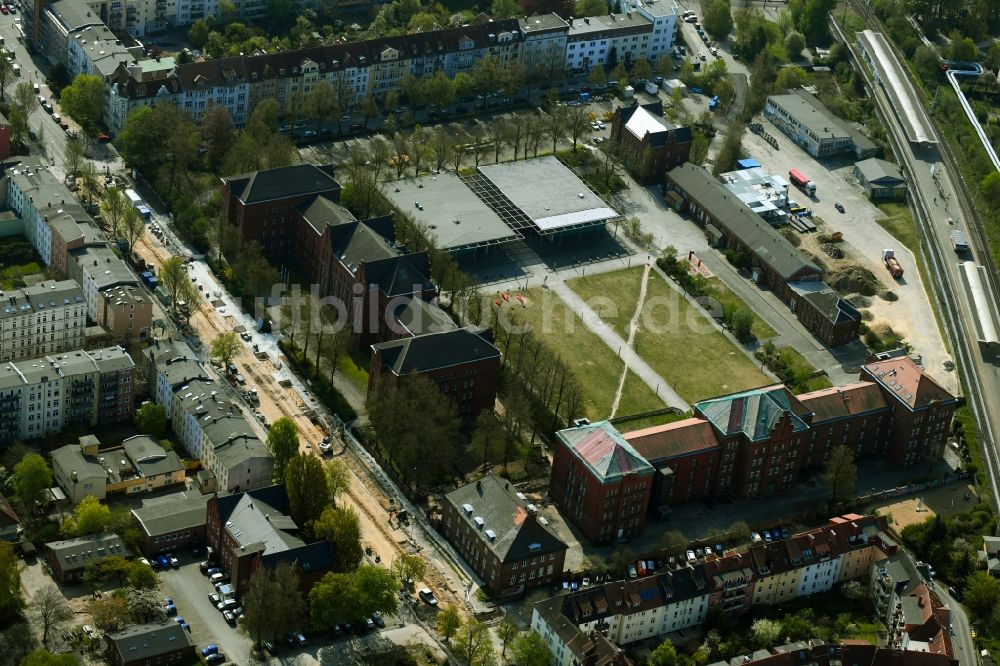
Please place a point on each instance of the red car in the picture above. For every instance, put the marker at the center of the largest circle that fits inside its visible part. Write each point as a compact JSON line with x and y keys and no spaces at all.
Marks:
{"x":103,"y":137}
{"x":63,"y":124}
{"x":4,"y":10}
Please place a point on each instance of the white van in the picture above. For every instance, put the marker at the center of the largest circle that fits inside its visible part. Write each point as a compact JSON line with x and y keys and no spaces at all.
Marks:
{"x":16,"y":68}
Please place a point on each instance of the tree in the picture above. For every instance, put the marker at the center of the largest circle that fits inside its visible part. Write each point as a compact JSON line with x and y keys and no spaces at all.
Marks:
{"x":91,"y":517}
{"x":487,"y":438}
{"x":472,"y":645}
{"x":132,"y":227}
{"x":665,"y":654}
{"x":840,"y":473}
{"x":673,"y":542}
{"x":989,"y":187}
{"x":46,"y":658}
{"x":416,"y":423}
{"x":506,"y":631}
{"x":341,"y":528}
{"x":717,"y":18}
{"x":794,"y":43}
{"x":578,"y":123}
{"x":113,"y":207}
{"x":812,"y":21}
{"x":961,"y":47}
{"x":225,"y":347}
{"x":144,"y":605}
{"x":83,"y":100}
{"x":172,"y":276}
{"x":151,"y":419}
{"x":790,"y":78}
{"x":10,"y":584}
{"x":353,"y":595}
{"x":699,"y":148}
{"x":109,"y":612}
{"x":142,"y":576}
{"x":74,"y":158}
{"x":765,"y":632}
{"x":32,"y":478}
{"x":198,"y":33}
{"x":597,"y":76}
{"x":982,"y":593}
{"x":6,"y":76}
{"x":591,"y":8}
{"x":740,"y":321}
{"x":25,"y":99}
{"x":218,"y":132}
{"x":273,"y":604}
{"x":308,"y":487}
{"x":283,"y":443}
{"x":641,"y":69}
{"x":339,"y":475}
{"x":50,"y":612}
{"x":448,"y":622}
{"x":504,"y":9}
{"x":409,"y":568}
{"x":530,"y":649}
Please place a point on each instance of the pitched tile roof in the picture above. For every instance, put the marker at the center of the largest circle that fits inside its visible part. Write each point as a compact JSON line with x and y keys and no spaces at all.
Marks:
{"x":502,"y":520}
{"x":843,"y":401}
{"x":179,"y":514}
{"x":673,"y":439}
{"x":77,"y":553}
{"x":755,"y":413}
{"x":606,"y":453}
{"x":911,"y":385}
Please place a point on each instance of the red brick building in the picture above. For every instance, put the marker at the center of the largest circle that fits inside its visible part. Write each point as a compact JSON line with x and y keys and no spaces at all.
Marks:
{"x":265,"y":204}
{"x":826,"y":315}
{"x":498,"y":534}
{"x":758,"y":442}
{"x":731,"y":225}
{"x":600,"y":482}
{"x":463,"y":363}
{"x":166,"y":642}
{"x":253,"y":529}
{"x":650,"y":145}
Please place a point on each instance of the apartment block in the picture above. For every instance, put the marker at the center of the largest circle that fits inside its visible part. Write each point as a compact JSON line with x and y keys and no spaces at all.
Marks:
{"x":501,"y":536}
{"x":676,"y":597}
{"x":125,"y":311}
{"x":47,"y":318}
{"x":47,"y":394}
{"x":759,"y":442}
{"x":599,"y":41}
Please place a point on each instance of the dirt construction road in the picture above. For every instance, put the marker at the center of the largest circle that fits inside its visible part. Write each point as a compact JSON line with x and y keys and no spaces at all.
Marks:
{"x":386,"y":540}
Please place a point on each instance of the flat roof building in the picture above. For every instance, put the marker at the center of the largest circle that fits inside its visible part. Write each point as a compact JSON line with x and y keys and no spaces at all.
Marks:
{"x":456,"y":219}
{"x":804,"y":119}
{"x":761,"y":192}
{"x":541,"y":194}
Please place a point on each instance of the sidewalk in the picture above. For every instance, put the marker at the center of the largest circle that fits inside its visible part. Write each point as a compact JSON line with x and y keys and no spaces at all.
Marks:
{"x":614,"y":341}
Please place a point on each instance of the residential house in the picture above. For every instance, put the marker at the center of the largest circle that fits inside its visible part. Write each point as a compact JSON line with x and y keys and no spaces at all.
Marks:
{"x":252,"y":529}
{"x":125,"y":311}
{"x":46,"y":395}
{"x":602,"y":41}
{"x":500,"y":535}
{"x":46,"y":318}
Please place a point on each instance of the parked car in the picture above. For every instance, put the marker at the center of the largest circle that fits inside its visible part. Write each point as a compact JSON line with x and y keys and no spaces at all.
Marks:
{"x":230,"y":618}
{"x":211,"y":571}
{"x":428,"y":597}
{"x":217,"y":577}
{"x":300,"y":638}
{"x":217,"y":658}
{"x":174,"y":562}
{"x":214,"y":599}
{"x":691,"y":557}
{"x":377,"y":619}
{"x":271,"y":647}
{"x":163,"y":561}
{"x":211,"y":648}
{"x":205,"y":566}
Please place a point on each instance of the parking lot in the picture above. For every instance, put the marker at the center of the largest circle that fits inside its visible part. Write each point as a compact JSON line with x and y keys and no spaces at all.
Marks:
{"x":911,"y":314}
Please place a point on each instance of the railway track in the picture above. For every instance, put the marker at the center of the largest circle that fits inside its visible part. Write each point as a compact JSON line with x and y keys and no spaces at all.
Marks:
{"x":956,"y":321}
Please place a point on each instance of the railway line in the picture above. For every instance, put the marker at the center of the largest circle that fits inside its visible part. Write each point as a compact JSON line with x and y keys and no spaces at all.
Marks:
{"x":932,"y":174}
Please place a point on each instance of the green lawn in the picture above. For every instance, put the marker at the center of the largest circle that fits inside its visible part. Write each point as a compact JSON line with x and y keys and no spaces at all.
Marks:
{"x":801,"y":367}
{"x":676,"y":339}
{"x":596,"y":366}
{"x":720,"y":292}
{"x":899,"y":223}
{"x":613,"y":296}
{"x":355,"y":366}
{"x":17,"y":259}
